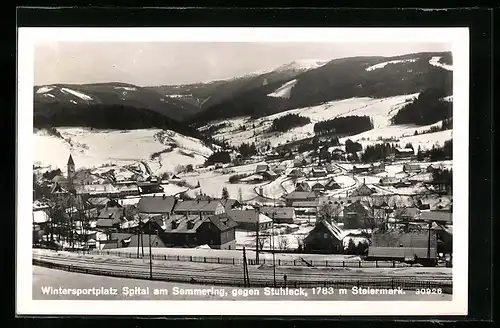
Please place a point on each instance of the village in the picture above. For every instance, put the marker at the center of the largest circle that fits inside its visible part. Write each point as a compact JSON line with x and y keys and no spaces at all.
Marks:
{"x":398,"y":210}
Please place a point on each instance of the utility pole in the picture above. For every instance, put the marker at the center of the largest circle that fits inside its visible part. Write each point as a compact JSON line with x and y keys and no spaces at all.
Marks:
{"x":274,"y":261}
{"x":429,"y":242}
{"x":150,"y":259}
{"x":246,"y":281}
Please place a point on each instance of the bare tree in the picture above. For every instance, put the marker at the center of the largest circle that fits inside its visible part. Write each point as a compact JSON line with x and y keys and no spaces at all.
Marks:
{"x":326,"y":211}
{"x":283,"y":242}
{"x":300,"y":240}
{"x":263,"y":240}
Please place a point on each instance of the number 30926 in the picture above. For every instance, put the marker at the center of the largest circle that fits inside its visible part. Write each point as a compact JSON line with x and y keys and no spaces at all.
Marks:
{"x":429,"y":291}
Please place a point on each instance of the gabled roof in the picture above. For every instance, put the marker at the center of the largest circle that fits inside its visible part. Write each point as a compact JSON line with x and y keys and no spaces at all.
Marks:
{"x":332,"y":184}
{"x":332,"y":228}
{"x":111,"y":213}
{"x":248,"y":216}
{"x":301,"y":195}
{"x":133,"y":240}
{"x":182,"y":223}
{"x":317,"y":185}
{"x":410,"y":212}
{"x":150,"y":204}
{"x":262,"y":168}
{"x":223,"y":222}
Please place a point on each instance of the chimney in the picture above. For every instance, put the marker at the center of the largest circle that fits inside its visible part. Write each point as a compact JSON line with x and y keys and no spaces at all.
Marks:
{"x":163,"y":196}
{"x":364,"y":180}
{"x":197,"y":200}
{"x":190,"y":224}
{"x":174,"y":224}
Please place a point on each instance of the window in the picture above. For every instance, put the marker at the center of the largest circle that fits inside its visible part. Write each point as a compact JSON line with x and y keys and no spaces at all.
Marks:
{"x":325,"y":235}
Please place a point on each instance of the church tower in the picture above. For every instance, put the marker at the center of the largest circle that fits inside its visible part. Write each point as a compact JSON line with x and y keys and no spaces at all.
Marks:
{"x":71,"y":168}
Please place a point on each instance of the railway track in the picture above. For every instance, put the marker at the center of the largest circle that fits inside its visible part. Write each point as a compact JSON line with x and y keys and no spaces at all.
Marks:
{"x":228,"y":273}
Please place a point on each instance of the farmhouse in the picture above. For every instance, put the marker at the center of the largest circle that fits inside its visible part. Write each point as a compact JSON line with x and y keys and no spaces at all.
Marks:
{"x":250,"y":219}
{"x":297,"y":196}
{"x":411,"y":168}
{"x":332,"y":185}
{"x":358,"y":215}
{"x":279,"y":169}
{"x":157,"y":205}
{"x":404,"y":152}
{"x":102,"y":202}
{"x":361,"y":168}
{"x":306,"y":208}
{"x":299,"y":162}
{"x":363,"y":190}
{"x":218,"y":232}
{"x":318,"y":187}
{"x":150,"y":187}
{"x":302,"y":186}
{"x":403,"y":246}
{"x":269,"y":175}
{"x":279,"y":214}
{"x":127,"y":189}
{"x":318,"y":172}
{"x":326,"y":238}
{"x":389,"y":181}
{"x":102,"y":190}
{"x":204,"y":207}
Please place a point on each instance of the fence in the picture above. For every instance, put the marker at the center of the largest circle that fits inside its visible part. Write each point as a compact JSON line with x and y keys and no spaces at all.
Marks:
{"x":386,"y":283}
{"x":263,"y":260}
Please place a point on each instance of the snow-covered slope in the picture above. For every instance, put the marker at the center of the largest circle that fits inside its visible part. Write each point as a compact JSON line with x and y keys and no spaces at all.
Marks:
{"x":382,"y":65}
{"x":284,"y":91}
{"x":93,"y":148}
{"x":241,"y":130}
{"x":435,"y":62}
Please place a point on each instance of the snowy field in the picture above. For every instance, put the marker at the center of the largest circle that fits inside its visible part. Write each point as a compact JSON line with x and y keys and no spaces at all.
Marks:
{"x":93,"y":148}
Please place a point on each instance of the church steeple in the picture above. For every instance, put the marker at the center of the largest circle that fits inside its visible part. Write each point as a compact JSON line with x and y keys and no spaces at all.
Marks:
{"x":71,"y":168}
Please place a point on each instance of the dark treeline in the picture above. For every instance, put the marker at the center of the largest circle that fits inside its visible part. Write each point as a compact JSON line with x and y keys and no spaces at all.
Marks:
{"x":101,"y":116}
{"x":347,"y":125}
{"x":218,"y":157}
{"x":352,"y":147}
{"x":438,"y":153}
{"x":247,"y":150}
{"x":287,"y":122}
{"x":377,"y":152}
{"x":427,"y":108}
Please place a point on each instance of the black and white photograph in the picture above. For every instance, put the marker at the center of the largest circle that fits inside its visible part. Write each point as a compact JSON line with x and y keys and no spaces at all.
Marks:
{"x":301,"y":169}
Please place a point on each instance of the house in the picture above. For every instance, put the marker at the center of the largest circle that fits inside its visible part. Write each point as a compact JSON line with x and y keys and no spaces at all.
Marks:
{"x":404,"y":153}
{"x":305,"y":208}
{"x":398,"y":246}
{"x":318,"y":172}
{"x":296,"y":196}
{"x":279,"y":214}
{"x":375,"y":169}
{"x":261,"y":168}
{"x":326,"y":238}
{"x":363,"y":190}
{"x":389,"y":181}
{"x":95,"y":190}
{"x":149,"y":187}
{"x":157,"y":205}
{"x":318,"y":187}
{"x":269,"y":175}
{"x":406,"y":214}
{"x":437,"y":216}
{"x":218,"y":232}
{"x":332,"y":185}
{"x":433,"y":167}
{"x":250,"y":219}
{"x":204,"y":207}
{"x":358,"y":215}
{"x":361,"y":168}
{"x":411,"y":168}
{"x":102,"y":202}
{"x":296,"y":173}
{"x":122,"y":240}
{"x":302,"y":186}
{"x":127,"y":189}
{"x":110,"y":218}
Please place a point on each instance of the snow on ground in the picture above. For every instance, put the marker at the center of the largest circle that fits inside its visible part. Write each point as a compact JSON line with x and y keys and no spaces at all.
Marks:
{"x":382,"y":65}
{"x":76,"y":93}
{"x":381,"y":110}
{"x":172,"y":189}
{"x":129,"y":201}
{"x":92,"y":148}
{"x":426,"y":141}
{"x":274,"y":189}
{"x":435,"y":62}
{"x":284,"y":91}
{"x":126,"y":88}
{"x":44,"y":89}
{"x":302,"y":64}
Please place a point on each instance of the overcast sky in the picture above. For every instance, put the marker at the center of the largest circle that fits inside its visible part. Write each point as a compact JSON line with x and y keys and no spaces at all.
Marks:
{"x":163,"y":63}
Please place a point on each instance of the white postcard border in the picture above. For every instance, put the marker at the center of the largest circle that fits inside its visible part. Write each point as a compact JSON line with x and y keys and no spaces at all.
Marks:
{"x":28,"y":37}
